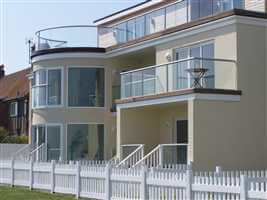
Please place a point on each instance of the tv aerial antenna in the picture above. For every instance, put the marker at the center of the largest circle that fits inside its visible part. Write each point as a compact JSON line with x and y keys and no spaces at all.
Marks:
{"x":30,"y":43}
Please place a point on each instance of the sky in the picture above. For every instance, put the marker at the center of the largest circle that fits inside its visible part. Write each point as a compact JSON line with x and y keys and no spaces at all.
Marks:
{"x":20,"y":19}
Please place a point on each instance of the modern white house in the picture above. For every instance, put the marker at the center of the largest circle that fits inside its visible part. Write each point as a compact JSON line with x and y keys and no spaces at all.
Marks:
{"x":167,"y":81}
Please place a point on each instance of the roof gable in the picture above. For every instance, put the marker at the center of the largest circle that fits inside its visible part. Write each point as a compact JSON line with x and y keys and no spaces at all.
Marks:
{"x":14,"y":85}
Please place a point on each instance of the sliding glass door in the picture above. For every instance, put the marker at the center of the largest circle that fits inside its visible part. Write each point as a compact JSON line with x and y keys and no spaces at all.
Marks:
{"x":203,"y":54}
{"x":46,"y":141}
{"x":85,"y":142}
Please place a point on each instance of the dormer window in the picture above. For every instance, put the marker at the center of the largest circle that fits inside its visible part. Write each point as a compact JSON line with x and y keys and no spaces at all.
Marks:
{"x":13,"y":109}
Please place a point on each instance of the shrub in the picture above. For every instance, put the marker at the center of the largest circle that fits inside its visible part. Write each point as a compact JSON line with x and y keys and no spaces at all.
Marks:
{"x":5,"y":138}
{"x":3,"y":134}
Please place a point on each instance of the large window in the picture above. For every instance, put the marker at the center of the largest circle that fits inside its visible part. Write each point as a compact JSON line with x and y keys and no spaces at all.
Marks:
{"x":46,"y":88}
{"x":86,"y":87}
{"x":85,"y":142}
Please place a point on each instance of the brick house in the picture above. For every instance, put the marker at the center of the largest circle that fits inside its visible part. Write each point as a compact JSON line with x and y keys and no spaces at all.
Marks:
{"x":14,"y":98}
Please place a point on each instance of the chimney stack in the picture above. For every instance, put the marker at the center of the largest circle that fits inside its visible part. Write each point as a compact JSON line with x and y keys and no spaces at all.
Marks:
{"x":2,"y":71}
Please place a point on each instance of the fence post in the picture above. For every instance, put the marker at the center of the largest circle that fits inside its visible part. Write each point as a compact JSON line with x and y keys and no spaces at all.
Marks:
{"x":107,"y":183}
{"x":218,"y":171}
{"x":52,"y":176}
{"x":78,"y":181}
{"x":243,"y":187}
{"x":189,"y":175}
{"x":12,"y":172}
{"x":161,"y":155}
{"x":31,"y":174}
{"x":143,"y":186}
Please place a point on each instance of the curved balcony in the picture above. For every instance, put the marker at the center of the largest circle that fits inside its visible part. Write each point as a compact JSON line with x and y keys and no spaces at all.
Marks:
{"x":80,"y":36}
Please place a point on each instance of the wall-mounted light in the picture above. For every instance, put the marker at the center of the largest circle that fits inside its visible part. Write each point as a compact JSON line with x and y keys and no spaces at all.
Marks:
{"x":168,"y":56}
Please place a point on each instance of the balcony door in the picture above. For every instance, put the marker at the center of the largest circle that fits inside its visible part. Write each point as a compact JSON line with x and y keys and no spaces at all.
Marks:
{"x":182,"y":79}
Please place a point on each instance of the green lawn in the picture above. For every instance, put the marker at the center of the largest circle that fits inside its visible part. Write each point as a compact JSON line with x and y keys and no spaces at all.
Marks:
{"x":17,"y":193}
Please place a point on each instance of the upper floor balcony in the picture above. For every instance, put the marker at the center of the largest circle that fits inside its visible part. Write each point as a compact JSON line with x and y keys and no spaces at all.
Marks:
{"x":180,"y":75}
{"x":175,"y":14}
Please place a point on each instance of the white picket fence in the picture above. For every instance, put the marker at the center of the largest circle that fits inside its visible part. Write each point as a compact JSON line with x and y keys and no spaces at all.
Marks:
{"x":8,"y":150}
{"x":102,"y":181}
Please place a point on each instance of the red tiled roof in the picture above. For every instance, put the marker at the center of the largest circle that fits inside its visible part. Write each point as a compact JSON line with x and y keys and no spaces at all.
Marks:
{"x":14,"y":85}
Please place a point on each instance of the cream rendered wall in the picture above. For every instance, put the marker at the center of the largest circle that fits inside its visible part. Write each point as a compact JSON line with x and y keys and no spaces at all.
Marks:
{"x":230,"y":134}
{"x":169,"y":114}
{"x":241,"y":125}
{"x":227,"y":135}
{"x":65,"y":115}
{"x":252,"y":57}
{"x":151,"y":125}
{"x":224,"y":43}
{"x":138,"y":126}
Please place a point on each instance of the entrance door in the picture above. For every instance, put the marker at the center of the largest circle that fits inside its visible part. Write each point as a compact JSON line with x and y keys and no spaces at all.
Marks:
{"x":182,"y":139}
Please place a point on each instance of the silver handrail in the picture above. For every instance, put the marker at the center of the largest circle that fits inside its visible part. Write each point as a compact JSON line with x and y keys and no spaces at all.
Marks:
{"x":179,"y":61}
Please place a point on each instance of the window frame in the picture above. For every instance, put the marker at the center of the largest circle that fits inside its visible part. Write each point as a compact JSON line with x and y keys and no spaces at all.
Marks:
{"x":46,"y":88}
{"x":16,"y":109}
{"x":67,"y":85}
{"x":46,"y":125}
{"x":190,"y":46}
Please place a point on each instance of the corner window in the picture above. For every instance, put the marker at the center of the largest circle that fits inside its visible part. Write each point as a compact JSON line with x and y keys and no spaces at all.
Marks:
{"x":86,"y":87}
{"x":13,"y":109}
{"x":46,"y":88}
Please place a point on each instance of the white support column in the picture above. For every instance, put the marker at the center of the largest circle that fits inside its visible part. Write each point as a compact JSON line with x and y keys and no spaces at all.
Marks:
{"x":12,"y":172}
{"x":243,"y":188}
{"x":143,"y":187}
{"x":107,"y":183}
{"x":52,"y":176}
{"x":189,"y":173}
{"x":31,"y":175}
{"x":78,"y":179}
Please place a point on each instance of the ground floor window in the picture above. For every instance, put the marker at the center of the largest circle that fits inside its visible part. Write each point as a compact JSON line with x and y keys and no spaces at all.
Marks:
{"x":85,"y":142}
{"x":48,"y":135}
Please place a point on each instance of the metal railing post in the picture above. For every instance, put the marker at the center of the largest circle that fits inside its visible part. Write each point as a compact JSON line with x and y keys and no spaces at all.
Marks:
{"x":167,"y":78}
{"x":161,"y":159}
{"x":142,"y":76}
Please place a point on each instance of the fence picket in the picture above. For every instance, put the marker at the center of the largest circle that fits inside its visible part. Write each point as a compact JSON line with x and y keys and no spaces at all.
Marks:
{"x":101,"y":180}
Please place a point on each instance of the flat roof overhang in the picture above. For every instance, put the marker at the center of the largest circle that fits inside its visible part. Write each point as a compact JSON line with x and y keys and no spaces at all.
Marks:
{"x":68,"y":50}
{"x":180,"y":96}
{"x":158,"y":37}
